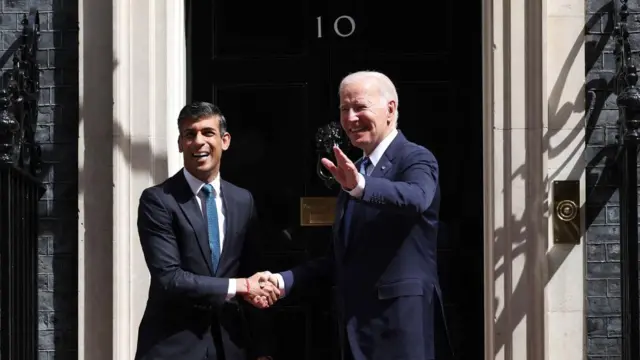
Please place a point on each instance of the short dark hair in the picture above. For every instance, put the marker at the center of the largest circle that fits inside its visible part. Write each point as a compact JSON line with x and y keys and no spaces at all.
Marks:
{"x":201,"y":109}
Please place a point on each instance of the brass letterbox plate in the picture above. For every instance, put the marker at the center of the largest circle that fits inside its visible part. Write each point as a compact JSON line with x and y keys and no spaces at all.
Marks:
{"x":317,"y":211}
{"x":566,"y":212}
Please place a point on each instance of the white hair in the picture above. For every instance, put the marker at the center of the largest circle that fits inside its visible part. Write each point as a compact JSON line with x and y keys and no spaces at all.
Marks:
{"x":384,"y":84}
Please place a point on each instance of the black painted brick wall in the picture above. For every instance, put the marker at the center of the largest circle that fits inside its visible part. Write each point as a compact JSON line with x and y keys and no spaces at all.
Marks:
{"x":602,"y":292}
{"x":57,"y":131}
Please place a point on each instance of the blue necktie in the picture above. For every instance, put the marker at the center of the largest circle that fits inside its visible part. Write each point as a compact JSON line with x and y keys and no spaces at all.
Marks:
{"x":348,"y":212}
{"x":212,"y":225}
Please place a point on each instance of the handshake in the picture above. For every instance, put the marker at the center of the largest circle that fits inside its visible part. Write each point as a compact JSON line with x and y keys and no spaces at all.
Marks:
{"x":260,"y":290}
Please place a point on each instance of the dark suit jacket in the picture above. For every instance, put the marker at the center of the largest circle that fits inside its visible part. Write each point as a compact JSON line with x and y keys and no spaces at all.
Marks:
{"x":187,"y":316}
{"x":385,"y":272}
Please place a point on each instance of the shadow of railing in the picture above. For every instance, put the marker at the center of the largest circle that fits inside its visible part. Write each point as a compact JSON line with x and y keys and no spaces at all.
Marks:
{"x":106,"y":147}
{"x":519,"y":239}
{"x":56,"y":131}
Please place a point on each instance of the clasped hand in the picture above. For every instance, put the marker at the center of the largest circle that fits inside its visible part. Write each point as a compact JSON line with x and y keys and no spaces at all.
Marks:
{"x":262,"y":290}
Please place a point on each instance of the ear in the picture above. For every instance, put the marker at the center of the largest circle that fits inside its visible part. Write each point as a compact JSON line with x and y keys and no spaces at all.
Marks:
{"x":180,"y":149}
{"x":392,"y":107}
{"x":226,"y":141}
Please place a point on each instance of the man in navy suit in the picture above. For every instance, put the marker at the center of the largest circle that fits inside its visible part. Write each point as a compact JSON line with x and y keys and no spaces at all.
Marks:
{"x":383,"y":259}
{"x":199,"y":235}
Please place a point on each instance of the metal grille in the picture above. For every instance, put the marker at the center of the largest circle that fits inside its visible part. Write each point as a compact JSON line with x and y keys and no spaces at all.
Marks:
{"x":628,"y":101}
{"x":19,"y":195}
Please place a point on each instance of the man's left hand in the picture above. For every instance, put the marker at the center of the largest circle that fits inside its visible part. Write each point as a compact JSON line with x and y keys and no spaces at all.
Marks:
{"x":262,"y":302}
{"x":344,"y":171}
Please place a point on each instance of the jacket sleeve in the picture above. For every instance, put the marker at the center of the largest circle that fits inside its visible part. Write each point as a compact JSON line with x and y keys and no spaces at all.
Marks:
{"x":320,"y":270}
{"x":413,"y":192}
{"x":162,"y":255}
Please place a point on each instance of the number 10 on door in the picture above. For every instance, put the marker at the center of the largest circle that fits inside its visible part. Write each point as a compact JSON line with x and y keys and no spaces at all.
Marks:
{"x":336,"y":24}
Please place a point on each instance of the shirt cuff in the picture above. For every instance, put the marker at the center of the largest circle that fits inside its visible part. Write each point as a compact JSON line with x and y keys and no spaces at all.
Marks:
{"x":280,"y":284}
{"x":231,"y":292}
{"x":357,"y":191}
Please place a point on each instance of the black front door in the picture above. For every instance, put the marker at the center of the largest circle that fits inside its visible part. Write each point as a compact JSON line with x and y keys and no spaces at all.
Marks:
{"x":274,"y":69}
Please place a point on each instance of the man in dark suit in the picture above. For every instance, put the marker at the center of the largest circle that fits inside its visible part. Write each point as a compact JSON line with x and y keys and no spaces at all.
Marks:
{"x":383,"y":259}
{"x":199,"y":235}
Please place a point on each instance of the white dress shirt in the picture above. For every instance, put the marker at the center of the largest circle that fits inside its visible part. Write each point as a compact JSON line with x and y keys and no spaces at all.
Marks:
{"x":196,"y":185}
{"x":374,"y":159}
{"x":357,"y":192}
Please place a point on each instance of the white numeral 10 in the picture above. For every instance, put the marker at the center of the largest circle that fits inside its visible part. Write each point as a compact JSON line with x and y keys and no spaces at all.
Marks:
{"x":349,"y":19}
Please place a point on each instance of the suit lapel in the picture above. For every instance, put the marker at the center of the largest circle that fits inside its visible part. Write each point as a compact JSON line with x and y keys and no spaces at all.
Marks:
{"x":384,"y":165}
{"x":339,"y":240}
{"x":338,"y":227}
{"x":360,"y":210}
{"x":341,"y":205}
{"x":231,"y":218}
{"x":189,"y":206}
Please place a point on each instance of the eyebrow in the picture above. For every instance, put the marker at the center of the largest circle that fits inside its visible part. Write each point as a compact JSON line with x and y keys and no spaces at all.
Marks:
{"x":357,"y":103}
{"x":203,"y":129}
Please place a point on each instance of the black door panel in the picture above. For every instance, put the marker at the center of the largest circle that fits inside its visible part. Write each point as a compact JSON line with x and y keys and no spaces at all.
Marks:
{"x":274,"y":69}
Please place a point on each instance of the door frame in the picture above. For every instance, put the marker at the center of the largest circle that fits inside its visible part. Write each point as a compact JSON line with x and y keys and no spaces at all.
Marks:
{"x":520,"y":81}
{"x":533,"y":293}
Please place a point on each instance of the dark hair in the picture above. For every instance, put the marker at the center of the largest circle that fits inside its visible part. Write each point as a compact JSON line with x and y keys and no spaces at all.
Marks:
{"x":200,"y":110}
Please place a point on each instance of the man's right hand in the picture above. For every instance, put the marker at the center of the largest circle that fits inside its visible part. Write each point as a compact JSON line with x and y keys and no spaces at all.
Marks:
{"x":268,"y":283}
{"x":259,"y":289}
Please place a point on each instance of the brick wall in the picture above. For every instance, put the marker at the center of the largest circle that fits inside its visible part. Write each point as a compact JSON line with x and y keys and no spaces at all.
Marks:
{"x":57,"y":131}
{"x":603,"y":212}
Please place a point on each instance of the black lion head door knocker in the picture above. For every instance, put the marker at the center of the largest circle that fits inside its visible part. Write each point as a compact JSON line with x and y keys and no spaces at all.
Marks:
{"x":327,"y":137}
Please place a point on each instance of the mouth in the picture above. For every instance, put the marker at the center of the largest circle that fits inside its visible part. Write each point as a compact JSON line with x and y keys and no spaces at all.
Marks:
{"x":200,"y":155}
{"x":356,"y":130}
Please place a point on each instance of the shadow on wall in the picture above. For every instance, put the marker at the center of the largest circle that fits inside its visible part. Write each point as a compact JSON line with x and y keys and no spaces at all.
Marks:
{"x":517,"y":239}
{"x":96,"y":177}
{"x":57,"y":131}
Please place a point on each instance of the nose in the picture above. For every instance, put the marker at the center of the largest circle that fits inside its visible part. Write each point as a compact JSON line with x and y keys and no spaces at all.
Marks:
{"x":350,"y":115}
{"x":199,"y":139}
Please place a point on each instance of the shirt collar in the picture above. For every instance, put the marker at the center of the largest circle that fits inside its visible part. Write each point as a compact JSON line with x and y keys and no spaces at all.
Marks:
{"x":377,"y":153}
{"x":195,"y":184}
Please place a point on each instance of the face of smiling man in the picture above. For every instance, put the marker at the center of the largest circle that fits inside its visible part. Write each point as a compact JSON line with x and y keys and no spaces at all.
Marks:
{"x":201,"y":144}
{"x":366,"y":116}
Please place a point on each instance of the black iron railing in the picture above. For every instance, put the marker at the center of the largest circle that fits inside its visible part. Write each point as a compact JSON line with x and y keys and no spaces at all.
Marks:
{"x":628,"y":100}
{"x":20,"y":192}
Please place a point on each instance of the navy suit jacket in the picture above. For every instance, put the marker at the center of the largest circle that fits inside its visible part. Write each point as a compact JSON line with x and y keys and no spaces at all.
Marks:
{"x":386,"y":273}
{"x":186,"y":316}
